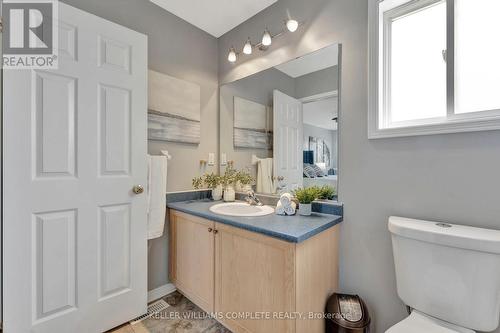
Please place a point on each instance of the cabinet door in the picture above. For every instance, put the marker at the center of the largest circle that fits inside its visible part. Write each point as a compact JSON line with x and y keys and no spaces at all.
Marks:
{"x":192,"y":269}
{"x":254,"y":274}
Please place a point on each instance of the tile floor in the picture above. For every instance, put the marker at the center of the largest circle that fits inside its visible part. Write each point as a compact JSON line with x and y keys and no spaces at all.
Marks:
{"x":182,"y":316}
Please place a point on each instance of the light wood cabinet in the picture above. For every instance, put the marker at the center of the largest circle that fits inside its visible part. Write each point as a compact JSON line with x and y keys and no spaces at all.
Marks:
{"x":254,"y":273}
{"x":192,"y":258}
{"x":257,"y":275}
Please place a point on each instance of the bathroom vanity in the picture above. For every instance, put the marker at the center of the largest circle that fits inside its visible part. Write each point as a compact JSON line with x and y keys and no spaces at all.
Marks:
{"x":257,"y":274}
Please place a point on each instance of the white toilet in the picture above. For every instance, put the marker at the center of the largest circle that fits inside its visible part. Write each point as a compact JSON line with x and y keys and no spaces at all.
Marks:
{"x":448,"y":274}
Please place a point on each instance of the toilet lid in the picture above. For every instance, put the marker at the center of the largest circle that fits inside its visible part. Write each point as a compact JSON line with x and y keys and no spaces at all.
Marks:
{"x":418,"y":322}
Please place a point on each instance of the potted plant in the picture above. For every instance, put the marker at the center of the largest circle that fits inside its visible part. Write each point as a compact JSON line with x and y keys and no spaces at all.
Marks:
{"x":306,"y":196}
{"x":212,"y":181}
{"x":228,"y":180}
{"x":244,"y":180}
{"x":326,"y":192}
{"x":197,"y":182}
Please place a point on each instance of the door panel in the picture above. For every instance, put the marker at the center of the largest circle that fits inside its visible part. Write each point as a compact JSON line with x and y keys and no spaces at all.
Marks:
{"x":55,"y":263}
{"x":54,"y":107}
{"x":114,"y":54}
{"x":288,"y":129}
{"x":114,"y":123}
{"x":67,"y":40}
{"x":114,"y":250}
{"x":75,"y":240}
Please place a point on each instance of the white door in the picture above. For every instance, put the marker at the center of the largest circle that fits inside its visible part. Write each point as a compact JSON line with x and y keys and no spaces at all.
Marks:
{"x":75,"y":248}
{"x":287,"y":140}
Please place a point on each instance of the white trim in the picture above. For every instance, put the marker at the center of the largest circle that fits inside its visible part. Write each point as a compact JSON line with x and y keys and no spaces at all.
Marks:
{"x":442,"y":128}
{"x":161,"y":291}
{"x":320,"y":96}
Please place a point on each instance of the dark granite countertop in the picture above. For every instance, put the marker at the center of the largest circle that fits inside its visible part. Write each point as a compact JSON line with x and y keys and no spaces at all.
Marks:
{"x":293,"y":229}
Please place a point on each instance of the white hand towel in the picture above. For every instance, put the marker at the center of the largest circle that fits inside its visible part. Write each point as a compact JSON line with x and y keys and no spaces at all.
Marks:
{"x":286,"y":199}
{"x":264,"y":174}
{"x":280,"y":210}
{"x":290,"y":209}
{"x":157,"y":187}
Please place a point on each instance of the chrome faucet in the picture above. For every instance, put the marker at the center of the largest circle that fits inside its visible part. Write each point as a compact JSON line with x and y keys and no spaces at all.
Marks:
{"x":252,"y":199}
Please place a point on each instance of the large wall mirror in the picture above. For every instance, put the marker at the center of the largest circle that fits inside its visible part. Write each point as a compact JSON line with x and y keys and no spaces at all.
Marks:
{"x":281,"y":124}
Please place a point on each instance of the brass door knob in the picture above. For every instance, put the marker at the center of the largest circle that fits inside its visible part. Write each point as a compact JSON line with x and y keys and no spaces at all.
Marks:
{"x":210,"y":229}
{"x":216,"y":231}
{"x":138,"y":189}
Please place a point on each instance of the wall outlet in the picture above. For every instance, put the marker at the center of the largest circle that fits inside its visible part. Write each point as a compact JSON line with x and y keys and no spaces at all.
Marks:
{"x":223,"y":159}
{"x":211,"y":159}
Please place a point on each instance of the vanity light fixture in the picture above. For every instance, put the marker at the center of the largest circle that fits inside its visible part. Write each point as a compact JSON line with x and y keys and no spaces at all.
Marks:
{"x":266,"y":38}
{"x":247,"y":49}
{"x":231,"y":57}
{"x":292,"y":25}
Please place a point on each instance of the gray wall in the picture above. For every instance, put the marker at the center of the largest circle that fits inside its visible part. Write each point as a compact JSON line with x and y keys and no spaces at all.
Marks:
{"x":322,"y":81}
{"x":258,"y":88}
{"x":181,"y":50}
{"x":451,"y":177}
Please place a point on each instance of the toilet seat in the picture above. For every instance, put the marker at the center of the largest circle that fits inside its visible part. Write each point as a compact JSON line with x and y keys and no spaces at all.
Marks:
{"x":418,"y":322}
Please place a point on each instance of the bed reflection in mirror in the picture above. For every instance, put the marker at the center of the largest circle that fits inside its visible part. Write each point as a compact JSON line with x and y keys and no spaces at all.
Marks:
{"x":281,"y":124}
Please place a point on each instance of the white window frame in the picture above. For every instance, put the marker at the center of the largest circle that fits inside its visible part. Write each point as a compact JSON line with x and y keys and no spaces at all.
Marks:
{"x":452,"y":123}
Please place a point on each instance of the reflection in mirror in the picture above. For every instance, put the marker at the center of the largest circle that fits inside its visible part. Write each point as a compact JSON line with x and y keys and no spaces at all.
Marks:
{"x":281,"y":124}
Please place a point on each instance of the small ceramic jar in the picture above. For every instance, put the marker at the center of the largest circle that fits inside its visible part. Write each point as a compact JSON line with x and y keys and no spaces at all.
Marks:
{"x":217,"y":193}
{"x":305,"y":209}
{"x":229,"y":194}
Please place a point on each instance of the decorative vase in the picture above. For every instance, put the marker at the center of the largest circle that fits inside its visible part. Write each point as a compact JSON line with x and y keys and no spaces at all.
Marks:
{"x":229,"y":194}
{"x":305,"y":209}
{"x":217,"y":193}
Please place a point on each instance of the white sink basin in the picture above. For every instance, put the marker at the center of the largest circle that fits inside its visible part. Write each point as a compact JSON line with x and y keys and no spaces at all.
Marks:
{"x":241,"y":209}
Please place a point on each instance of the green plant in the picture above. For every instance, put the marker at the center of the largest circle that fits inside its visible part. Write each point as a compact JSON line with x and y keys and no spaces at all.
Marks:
{"x":229,"y":177}
{"x":244,"y":177}
{"x":326,"y":192}
{"x":306,"y":195}
{"x":212,"y":180}
{"x":197,"y":182}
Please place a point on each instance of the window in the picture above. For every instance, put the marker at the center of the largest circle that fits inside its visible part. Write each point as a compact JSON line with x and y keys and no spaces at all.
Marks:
{"x":434,"y":67}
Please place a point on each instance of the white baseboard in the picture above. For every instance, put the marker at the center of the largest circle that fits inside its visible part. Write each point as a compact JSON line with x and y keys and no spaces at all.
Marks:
{"x":160,"y":292}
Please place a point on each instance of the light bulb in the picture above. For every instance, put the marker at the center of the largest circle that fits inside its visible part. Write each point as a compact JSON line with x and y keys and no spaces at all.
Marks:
{"x":247,"y":49}
{"x":231,"y":57}
{"x":266,"y":38}
{"x":292,"y":25}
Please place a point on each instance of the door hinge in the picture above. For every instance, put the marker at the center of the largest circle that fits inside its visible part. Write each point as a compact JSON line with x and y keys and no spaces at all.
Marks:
{"x":1,"y":24}
{"x":445,"y":55}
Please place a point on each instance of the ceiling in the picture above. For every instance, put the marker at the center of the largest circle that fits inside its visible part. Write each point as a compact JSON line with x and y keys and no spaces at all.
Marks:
{"x":215,"y":16}
{"x":312,"y":62}
{"x":320,"y":113}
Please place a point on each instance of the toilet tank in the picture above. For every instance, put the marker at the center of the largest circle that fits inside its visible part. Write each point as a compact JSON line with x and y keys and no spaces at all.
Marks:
{"x":450,"y":272}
